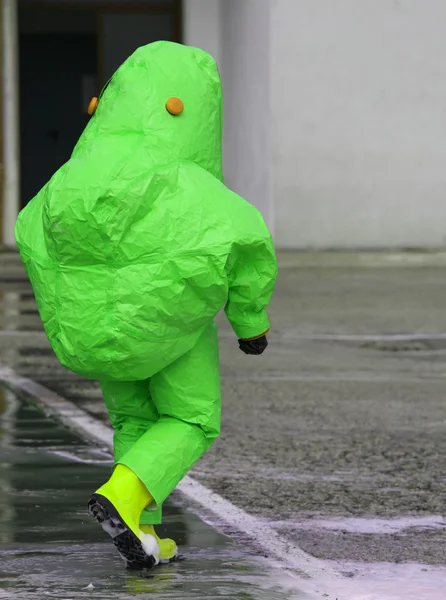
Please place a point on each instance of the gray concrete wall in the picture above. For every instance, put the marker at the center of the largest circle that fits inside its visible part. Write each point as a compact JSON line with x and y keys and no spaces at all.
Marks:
{"x":359,"y":94}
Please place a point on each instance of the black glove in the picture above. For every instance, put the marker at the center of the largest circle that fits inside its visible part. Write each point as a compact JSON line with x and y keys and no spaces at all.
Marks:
{"x":253,"y":346}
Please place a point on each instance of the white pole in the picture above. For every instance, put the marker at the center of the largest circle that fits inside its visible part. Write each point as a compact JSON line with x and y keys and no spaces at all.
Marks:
{"x":10,"y":87}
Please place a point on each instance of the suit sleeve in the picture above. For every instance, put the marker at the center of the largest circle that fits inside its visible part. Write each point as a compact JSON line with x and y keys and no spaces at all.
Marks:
{"x":251,"y":278}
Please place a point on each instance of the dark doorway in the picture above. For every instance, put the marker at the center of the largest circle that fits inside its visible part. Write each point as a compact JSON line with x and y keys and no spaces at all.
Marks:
{"x":57,"y":72}
{"x":68,"y":50}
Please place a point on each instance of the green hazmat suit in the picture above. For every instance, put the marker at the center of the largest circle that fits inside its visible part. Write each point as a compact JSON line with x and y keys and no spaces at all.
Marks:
{"x":134,"y":246}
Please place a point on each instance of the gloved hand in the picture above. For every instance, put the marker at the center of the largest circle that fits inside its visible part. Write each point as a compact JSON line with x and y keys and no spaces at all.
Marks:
{"x":256,"y":346}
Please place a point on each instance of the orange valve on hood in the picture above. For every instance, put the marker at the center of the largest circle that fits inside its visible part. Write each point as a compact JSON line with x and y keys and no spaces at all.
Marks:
{"x":92,"y":106}
{"x":175,"y":106}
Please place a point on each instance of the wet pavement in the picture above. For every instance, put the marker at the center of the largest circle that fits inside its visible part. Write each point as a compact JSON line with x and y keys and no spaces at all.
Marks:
{"x":50,"y":548}
{"x":336,"y":437}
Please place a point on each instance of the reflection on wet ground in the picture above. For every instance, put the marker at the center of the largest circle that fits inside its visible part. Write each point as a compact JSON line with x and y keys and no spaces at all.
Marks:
{"x":18,"y":309}
{"x":51,"y":549}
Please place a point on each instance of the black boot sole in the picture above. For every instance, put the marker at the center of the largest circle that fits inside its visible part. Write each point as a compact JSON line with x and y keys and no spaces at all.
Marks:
{"x":126,"y":542}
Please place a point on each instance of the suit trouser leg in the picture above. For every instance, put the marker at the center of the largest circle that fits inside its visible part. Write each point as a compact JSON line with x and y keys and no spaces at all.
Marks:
{"x":187,"y":398}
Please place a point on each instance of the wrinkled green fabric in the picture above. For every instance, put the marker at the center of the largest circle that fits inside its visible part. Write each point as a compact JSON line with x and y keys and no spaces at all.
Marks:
{"x":163,"y":425}
{"x":135,"y":243}
{"x":134,"y":246}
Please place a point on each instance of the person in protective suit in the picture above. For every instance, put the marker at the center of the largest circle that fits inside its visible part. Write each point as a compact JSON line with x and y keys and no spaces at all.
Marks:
{"x":132,"y":248}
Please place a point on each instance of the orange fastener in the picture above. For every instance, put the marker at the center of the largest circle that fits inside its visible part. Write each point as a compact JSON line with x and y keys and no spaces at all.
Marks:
{"x":92,"y":106}
{"x":175,"y":106}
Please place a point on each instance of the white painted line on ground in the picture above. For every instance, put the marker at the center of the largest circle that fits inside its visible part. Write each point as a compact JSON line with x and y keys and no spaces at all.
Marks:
{"x":366,"y":525}
{"x":348,"y":337}
{"x":368,"y":337}
{"x":327,"y":259}
{"x":65,"y":410}
{"x":85,"y":461}
{"x":277,"y":547}
{"x":25,"y":333}
{"x":305,"y":337}
{"x":336,"y":377}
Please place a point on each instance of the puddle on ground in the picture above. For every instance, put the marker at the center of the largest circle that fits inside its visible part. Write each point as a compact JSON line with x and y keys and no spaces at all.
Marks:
{"x":50,"y":548}
{"x":18,"y":311}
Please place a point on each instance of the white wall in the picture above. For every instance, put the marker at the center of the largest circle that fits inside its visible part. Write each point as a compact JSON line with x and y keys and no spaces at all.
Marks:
{"x":246,"y":83}
{"x":359,"y":100}
{"x":202,"y":26}
{"x":334,"y":115}
{"x":236,"y":33}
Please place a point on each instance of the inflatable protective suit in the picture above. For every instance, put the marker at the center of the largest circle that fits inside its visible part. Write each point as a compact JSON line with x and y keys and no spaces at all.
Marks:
{"x":133,"y":247}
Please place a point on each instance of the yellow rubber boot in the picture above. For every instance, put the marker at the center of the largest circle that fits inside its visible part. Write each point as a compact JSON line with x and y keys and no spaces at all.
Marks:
{"x":168,"y":548}
{"x":117,"y":507}
{"x":128,"y":495}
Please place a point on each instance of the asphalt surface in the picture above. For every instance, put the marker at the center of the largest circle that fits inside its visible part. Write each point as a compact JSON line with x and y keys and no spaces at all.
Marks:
{"x":341,"y":421}
{"x":51,"y":548}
